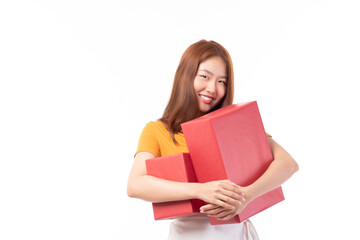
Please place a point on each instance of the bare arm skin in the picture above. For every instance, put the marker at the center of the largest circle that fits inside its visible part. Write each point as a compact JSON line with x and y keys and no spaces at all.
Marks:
{"x":223,"y":193}
{"x":278,"y":172}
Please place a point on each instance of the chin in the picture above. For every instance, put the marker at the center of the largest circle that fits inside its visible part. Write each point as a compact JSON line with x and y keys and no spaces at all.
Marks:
{"x":206,"y":110}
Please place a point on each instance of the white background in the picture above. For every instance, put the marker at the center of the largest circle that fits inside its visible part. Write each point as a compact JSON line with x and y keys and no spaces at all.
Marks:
{"x":80,"y":79}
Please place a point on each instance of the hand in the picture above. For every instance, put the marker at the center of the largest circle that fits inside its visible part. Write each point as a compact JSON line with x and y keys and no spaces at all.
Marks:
{"x":222,"y":193}
{"x":213,"y":210}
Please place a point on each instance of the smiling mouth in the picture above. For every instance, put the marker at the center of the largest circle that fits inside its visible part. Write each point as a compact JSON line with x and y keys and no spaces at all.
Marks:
{"x":206,"y":99}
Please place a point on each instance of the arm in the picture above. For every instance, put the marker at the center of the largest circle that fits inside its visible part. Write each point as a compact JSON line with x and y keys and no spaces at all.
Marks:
{"x":277,"y":173}
{"x":149,"y":188}
{"x":280,"y":170}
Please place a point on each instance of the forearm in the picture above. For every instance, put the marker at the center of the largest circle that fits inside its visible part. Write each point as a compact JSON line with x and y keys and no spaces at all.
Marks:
{"x":278,"y":172}
{"x":154,"y":189}
{"x":223,"y":193}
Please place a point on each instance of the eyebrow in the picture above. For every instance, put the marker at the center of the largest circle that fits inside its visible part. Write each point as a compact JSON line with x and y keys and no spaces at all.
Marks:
{"x":212,"y":73}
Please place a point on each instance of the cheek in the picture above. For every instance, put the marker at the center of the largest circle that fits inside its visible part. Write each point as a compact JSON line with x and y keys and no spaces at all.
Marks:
{"x":197,"y":85}
{"x":221,"y":92}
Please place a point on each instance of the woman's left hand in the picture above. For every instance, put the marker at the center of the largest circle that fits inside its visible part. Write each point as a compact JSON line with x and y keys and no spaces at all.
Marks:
{"x":221,"y":213}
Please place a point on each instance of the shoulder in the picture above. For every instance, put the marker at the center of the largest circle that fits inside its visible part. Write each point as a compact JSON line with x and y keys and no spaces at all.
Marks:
{"x":156,"y":126}
{"x":154,"y":129}
{"x":150,"y":138}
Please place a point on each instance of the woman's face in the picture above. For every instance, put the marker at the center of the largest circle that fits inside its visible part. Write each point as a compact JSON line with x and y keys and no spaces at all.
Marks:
{"x":210,"y":83}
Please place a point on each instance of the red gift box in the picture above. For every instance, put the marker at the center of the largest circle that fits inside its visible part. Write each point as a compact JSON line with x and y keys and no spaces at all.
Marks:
{"x":177,"y":168}
{"x":231,"y":143}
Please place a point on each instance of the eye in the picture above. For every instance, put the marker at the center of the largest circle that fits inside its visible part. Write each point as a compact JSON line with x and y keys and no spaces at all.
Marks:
{"x":222,"y":82}
{"x":204,"y":76}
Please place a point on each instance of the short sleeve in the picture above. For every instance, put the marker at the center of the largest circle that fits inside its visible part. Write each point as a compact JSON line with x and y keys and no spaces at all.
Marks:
{"x":148,"y":141}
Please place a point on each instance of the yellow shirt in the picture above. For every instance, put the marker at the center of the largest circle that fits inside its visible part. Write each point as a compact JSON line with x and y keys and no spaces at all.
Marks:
{"x":156,"y":139}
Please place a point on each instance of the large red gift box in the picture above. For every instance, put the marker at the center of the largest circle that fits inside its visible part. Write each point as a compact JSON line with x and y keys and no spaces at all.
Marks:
{"x":177,"y":168}
{"x":231,"y":143}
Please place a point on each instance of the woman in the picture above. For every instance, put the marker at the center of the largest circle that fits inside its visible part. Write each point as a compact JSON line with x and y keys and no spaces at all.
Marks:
{"x":203,"y":83}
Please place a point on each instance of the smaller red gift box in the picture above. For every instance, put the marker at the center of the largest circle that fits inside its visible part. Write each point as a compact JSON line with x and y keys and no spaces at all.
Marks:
{"x":176,"y":168}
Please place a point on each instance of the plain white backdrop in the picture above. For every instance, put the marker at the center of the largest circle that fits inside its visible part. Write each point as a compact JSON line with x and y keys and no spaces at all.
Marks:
{"x":80,"y":79}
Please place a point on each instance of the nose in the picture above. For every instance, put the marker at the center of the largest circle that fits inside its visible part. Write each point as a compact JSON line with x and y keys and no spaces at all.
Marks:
{"x":211,"y":86}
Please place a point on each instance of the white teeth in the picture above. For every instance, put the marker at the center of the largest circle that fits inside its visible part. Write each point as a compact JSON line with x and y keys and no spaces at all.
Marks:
{"x":205,"y":98}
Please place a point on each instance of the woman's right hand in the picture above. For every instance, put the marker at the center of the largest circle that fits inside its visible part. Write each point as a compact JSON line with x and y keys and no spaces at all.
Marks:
{"x":223,"y":193}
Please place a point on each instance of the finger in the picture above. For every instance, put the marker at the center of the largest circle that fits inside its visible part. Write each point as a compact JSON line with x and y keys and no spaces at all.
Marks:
{"x":216,"y":201}
{"x":234,"y":191}
{"x":209,"y":207}
{"x":228,"y":200}
{"x":213,"y":210}
{"x":227,"y":217}
{"x":221,"y":213}
{"x":233,"y":195}
{"x":224,"y":204}
{"x":230,"y":189}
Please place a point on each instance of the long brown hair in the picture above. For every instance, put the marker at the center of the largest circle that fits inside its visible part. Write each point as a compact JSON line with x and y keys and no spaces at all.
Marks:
{"x":182,"y":105}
